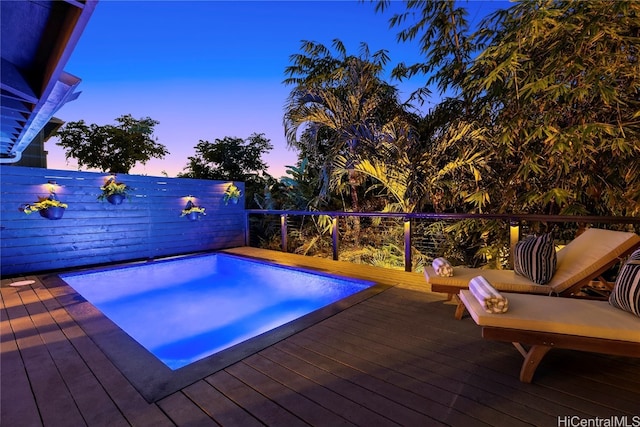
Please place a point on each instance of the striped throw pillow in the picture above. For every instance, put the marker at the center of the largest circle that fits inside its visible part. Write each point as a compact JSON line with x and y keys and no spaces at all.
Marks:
{"x":535,"y":258}
{"x":626,"y":291}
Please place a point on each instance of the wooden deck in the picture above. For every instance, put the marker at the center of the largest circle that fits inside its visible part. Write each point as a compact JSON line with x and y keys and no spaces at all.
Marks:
{"x":397,"y":358}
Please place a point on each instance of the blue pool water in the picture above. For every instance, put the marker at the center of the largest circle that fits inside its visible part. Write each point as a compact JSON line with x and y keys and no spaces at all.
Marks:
{"x":185,"y":309}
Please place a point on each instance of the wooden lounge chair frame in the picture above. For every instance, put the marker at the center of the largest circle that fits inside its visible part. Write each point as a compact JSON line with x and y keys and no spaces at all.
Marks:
{"x":540,"y":342}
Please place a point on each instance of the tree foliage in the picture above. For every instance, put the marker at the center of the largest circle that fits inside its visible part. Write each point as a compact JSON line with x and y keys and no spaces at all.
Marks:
{"x":233,"y":159}
{"x":542,"y":103}
{"x":111,"y":148}
{"x":558,"y":88}
{"x":444,"y":39}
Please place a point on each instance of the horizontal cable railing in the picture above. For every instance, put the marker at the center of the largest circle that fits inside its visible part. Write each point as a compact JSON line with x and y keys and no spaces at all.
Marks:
{"x":413,"y":239}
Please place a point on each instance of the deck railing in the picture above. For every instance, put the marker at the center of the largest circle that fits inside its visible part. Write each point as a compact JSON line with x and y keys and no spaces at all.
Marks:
{"x":513,"y":224}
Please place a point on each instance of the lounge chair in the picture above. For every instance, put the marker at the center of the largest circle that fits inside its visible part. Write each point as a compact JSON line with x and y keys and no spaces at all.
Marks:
{"x":544,"y":323}
{"x":582,"y":260}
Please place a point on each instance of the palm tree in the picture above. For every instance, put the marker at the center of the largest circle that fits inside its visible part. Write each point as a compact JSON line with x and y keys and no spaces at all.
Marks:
{"x":444,"y":38}
{"x":337,"y":104}
{"x":411,"y":179}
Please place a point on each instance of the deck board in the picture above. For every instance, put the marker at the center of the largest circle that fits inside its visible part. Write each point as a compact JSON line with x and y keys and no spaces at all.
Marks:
{"x":348,"y":411}
{"x":433,"y":405}
{"x":350,"y":390}
{"x":266,"y":410}
{"x":51,"y":394}
{"x":92,"y":401}
{"x":397,"y":358}
{"x":17,"y":401}
{"x":326,"y":388}
{"x":218,"y":406}
{"x":183,"y":411}
{"x":443,"y":390}
{"x":447,"y":376}
{"x":297,"y":404}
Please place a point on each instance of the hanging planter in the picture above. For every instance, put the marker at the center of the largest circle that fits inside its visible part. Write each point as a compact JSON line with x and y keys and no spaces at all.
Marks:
{"x":232,"y":194}
{"x":54,"y":212}
{"x":193,"y":216}
{"x":114,"y":192}
{"x":192,"y":211}
{"x":116,"y":199}
{"x":49,"y":207}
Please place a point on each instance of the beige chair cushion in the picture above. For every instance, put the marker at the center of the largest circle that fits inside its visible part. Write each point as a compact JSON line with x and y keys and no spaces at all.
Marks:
{"x":502,"y":280}
{"x":569,"y":316}
{"x":587,"y":253}
{"x":577,"y":261}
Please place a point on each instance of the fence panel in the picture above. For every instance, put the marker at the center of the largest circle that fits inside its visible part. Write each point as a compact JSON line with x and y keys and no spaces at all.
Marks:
{"x":94,"y":232}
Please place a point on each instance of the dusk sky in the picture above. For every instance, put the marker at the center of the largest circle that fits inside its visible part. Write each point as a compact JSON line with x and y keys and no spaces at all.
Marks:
{"x":210,"y":69}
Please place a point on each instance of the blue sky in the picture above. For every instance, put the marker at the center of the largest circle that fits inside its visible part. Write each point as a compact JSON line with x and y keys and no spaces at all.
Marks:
{"x":211,"y":69}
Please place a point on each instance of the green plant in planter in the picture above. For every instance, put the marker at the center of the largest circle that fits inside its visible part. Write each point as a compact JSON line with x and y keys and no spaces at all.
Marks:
{"x":113,"y":191}
{"x":48,"y":207}
{"x":192,"y":210}
{"x":231,"y":194}
{"x":42,"y":204}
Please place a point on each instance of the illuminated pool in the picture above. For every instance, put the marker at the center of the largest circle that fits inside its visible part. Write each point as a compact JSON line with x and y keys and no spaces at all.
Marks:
{"x":185,"y":310}
{"x":199,"y":314}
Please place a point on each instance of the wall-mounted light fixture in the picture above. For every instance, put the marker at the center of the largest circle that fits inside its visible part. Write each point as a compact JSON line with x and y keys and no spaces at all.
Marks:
{"x":189,"y":204}
{"x":111,"y":178}
{"x":51,"y":186}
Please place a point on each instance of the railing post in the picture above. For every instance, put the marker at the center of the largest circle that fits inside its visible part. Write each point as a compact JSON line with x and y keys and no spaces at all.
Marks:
{"x":408,"y":262}
{"x":334,"y":237}
{"x":514,"y":236}
{"x":283,"y":232}
{"x":247,"y":232}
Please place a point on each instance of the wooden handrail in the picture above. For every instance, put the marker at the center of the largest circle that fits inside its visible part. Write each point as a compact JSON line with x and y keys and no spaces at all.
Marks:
{"x":459,"y":216}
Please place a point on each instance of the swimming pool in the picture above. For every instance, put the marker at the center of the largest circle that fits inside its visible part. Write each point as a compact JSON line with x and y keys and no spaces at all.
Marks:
{"x":201,"y":313}
{"x":184,"y":310}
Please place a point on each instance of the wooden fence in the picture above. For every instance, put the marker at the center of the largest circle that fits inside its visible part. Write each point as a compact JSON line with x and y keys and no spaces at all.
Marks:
{"x":93,"y":232}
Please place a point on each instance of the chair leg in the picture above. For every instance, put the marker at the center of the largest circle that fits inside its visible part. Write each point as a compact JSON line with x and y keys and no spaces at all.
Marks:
{"x":531,"y":361}
{"x":460,"y":310}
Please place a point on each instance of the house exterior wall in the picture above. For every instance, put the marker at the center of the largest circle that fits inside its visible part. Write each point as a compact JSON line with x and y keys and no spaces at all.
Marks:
{"x":94,"y":232}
